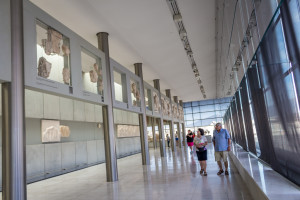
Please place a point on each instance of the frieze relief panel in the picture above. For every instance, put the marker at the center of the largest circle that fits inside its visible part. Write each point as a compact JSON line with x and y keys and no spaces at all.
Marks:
{"x":53,"y":54}
{"x":157,"y":105}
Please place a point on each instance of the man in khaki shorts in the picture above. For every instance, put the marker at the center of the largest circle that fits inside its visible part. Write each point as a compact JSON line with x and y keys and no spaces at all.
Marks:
{"x":221,"y":140}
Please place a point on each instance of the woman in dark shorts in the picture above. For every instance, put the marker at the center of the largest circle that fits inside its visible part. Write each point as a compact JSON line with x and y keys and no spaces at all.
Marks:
{"x":200,"y":142}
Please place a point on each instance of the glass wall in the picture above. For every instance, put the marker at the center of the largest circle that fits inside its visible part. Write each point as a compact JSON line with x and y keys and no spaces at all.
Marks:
{"x":204,"y":113}
{"x":273,"y":81}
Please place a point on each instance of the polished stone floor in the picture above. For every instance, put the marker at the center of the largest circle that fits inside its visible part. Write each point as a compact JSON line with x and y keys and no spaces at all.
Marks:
{"x":174,"y":177}
{"x":274,"y":185}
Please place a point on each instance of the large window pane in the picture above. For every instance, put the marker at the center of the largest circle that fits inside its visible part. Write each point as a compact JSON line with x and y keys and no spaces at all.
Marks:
{"x":196,"y":116}
{"x":207,"y":108}
{"x":206,"y":115}
{"x":188,"y":110}
{"x":188,"y":117}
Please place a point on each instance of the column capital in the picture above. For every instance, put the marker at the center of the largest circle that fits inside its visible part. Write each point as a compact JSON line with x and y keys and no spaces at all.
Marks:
{"x":175,"y":99}
{"x":168,"y":93}
{"x":102,"y":33}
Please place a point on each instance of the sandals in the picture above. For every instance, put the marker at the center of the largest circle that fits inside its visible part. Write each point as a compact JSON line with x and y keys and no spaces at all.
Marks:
{"x":226,"y":173}
{"x":204,"y":174}
{"x":201,"y":171}
{"x":220,"y":172}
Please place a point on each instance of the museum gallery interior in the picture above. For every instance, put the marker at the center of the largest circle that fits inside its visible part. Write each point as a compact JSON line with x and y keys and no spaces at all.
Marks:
{"x":97,"y":98}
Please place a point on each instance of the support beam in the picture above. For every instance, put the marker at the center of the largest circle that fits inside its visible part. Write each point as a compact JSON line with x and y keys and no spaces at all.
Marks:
{"x":13,"y":117}
{"x":108,"y":118}
{"x":138,"y":67}
{"x":160,"y":122}
{"x":172,"y":133}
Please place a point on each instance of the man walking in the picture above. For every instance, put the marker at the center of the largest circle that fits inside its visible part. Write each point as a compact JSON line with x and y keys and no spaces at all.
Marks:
{"x":221,"y":140}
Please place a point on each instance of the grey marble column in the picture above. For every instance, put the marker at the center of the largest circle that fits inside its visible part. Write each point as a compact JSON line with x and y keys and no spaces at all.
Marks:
{"x":183,"y":127}
{"x":178,"y":125}
{"x":153,"y":132}
{"x":160,"y":122}
{"x":138,"y":67}
{"x":108,"y":118}
{"x":172,"y":134}
{"x":13,"y":116}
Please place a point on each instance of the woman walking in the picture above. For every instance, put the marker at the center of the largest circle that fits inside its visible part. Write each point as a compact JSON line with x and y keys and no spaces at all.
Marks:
{"x":200,"y":142}
{"x":190,"y":140}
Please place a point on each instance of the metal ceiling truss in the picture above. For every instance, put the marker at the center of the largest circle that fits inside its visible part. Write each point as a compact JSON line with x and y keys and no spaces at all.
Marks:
{"x":177,"y":17}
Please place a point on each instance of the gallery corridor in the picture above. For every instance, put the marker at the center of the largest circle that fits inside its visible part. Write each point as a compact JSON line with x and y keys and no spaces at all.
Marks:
{"x":174,"y":177}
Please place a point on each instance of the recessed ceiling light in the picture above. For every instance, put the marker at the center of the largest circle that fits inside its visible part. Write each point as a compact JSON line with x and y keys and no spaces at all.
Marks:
{"x":182,"y":33}
{"x":177,"y":18}
{"x":189,"y":53}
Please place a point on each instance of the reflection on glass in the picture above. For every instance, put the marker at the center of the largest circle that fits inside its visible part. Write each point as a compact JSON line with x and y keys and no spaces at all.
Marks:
{"x":135,"y":93}
{"x":120,"y":87}
{"x":91,"y":72}
{"x":148,"y":100}
{"x":53,"y":54}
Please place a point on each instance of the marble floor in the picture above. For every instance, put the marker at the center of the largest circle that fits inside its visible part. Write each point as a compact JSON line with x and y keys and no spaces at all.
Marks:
{"x":174,"y":177}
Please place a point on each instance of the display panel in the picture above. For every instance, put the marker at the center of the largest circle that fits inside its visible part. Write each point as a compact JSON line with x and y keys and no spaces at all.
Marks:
{"x":135,"y":93}
{"x":53,"y":54}
{"x":50,"y":131}
{"x":120,"y":87}
{"x":92,"y":76}
{"x":128,"y":131}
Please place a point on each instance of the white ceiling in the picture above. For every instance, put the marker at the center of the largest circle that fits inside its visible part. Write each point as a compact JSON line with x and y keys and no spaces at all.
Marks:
{"x":144,"y":31}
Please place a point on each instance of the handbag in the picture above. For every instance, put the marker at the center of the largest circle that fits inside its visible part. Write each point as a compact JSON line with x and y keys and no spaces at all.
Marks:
{"x":201,"y":149}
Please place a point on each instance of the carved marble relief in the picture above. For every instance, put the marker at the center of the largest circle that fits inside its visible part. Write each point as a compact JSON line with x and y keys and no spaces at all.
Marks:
{"x":66,"y":50}
{"x":53,"y":41}
{"x":65,"y":131}
{"x":163,"y":106}
{"x":93,"y":76}
{"x":44,"y":67}
{"x":181,"y":114}
{"x":156,"y":102}
{"x":50,"y":131}
{"x":128,"y":131}
{"x":169,"y":108}
{"x":175,"y":111}
{"x":100,"y":78}
{"x":66,"y":75}
{"x":136,"y":93}
{"x":53,"y":52}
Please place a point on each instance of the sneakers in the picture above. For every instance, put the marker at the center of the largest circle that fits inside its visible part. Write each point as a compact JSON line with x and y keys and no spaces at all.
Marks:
{"x":226,"y":173}
{"x":201,"y":171}
{"x":220,"y":172}
{"x":204,"y":174}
